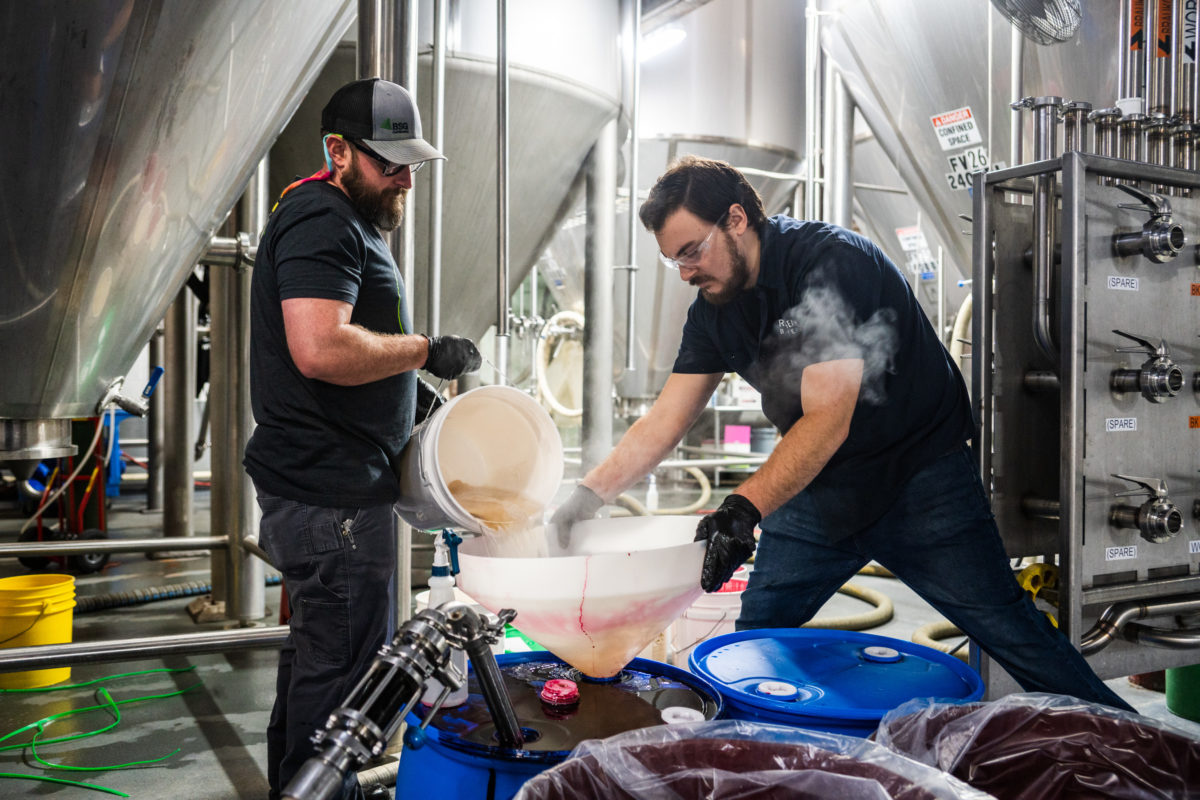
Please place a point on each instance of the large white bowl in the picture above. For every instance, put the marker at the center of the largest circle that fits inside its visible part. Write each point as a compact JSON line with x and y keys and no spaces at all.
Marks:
{"x":620,"y":583}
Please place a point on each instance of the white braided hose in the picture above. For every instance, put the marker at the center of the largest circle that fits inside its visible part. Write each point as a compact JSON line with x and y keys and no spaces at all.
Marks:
{"x":561,"y":319}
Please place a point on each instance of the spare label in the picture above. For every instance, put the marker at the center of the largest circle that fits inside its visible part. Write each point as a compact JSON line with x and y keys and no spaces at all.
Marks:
{"x":956,"y":128}
{"x":1122,"y":283}
{"x":1119,"y":553}
{"x":1120,"y":424}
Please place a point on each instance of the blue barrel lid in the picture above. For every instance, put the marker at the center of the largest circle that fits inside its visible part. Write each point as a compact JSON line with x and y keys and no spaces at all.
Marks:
{"x":828,"y":674}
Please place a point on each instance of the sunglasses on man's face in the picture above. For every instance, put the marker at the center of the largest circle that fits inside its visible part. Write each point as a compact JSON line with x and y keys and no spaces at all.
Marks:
{"x":388,"y":168}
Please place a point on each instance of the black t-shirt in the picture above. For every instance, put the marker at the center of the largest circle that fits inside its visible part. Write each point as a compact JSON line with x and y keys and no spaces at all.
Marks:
{"x":316,"y":442}
{"x":825,"y":293}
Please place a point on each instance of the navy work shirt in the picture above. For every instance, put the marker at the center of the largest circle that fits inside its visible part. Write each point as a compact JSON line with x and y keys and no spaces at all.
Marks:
{"x":316,"y":442}
{"x":826,"y":293}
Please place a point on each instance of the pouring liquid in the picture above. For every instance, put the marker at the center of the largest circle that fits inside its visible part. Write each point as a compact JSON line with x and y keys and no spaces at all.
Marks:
{"x":500,"y":510}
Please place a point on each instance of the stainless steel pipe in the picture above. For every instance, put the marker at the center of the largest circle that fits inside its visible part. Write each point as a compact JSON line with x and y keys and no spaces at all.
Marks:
{"x":1131,"y":66}
{"x":1117,"y":616}
{"x":179,"y":390}
{"x":1183,"y":57}
{"x":155,"y":430}
{"x":437,"y":180}
{"x":502,"y":299}
{"x":1077,"y":131}
{"x":1182,"y":639}
{"x":1105,"y":121}
{"x":598,"y":291}
{"x":1046,"y":111}
{"x":1156,"y":49}
{"x":77,"y":546}
{"x":633,"y":9}
{"x":234,"y":504}
{"x":67,"y":655}
{"x":839,"y":151}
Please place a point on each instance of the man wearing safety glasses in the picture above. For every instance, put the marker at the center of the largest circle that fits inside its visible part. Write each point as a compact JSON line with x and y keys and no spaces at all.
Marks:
{"x":873,"y":462}
{"x":333,"y":382}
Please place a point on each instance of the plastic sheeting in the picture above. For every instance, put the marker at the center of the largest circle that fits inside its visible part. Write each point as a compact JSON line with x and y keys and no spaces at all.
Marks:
{"x":1040,"y":746}
{"x":743,"y":760}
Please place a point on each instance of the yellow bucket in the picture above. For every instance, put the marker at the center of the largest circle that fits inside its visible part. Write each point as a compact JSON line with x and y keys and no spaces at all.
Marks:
{"x":35,"y":610}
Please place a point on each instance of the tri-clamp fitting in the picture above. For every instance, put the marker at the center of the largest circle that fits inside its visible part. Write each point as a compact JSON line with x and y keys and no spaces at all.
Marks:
{"x":1157,"y":519}
{"x":137,"y":406}
{"x":1161,"y":238}
{"x":1158,"y":378}
{"x":392,"y":686}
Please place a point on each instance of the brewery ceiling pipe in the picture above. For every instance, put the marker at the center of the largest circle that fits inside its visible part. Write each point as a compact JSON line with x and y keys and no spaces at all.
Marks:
{"x":598,"y":293}
{"x":633,"y":12}
{"x":1131,"y":67}
{"x":437,"y":167}
{"x":839,"y":150}
{"x":502,"y":307}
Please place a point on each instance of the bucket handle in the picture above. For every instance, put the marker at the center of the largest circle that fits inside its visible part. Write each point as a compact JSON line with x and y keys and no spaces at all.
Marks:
{"x":37,"y":619}
{"x":709,"y":632}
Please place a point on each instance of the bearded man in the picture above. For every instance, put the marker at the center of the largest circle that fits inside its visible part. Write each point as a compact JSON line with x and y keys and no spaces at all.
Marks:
{"x":333,"y":385}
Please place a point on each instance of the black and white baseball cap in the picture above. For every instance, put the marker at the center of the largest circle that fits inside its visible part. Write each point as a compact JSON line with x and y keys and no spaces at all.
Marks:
{"x":382,"y":115}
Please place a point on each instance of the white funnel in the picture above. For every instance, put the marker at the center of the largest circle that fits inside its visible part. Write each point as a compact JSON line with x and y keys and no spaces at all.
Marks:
{"x":620,"y":584}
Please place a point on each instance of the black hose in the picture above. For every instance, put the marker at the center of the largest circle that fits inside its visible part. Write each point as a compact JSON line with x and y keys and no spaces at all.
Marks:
{"x":135,"y":597}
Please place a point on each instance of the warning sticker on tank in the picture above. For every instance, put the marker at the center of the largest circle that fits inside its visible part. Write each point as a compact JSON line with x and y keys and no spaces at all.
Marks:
{"x":1194,"y":422}
{"x":956,"y":128}
{"x":917,"y":254}
{"x":1120,"y":553}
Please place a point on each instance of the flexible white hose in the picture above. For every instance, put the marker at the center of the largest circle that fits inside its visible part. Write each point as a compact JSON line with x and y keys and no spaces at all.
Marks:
{"x":637,"y":509}
{"x":881,"y":614}
{"x":543,"y":361}
{"x":67,"y":482}
{"x":961,"y":331}
{"x":931,"y":635}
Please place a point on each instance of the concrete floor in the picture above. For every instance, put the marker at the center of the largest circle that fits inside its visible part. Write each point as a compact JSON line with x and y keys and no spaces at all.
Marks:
{"x":218,"y":727}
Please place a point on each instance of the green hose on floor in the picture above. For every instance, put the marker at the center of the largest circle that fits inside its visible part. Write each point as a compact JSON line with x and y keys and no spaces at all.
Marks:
{"x":109,"y":704}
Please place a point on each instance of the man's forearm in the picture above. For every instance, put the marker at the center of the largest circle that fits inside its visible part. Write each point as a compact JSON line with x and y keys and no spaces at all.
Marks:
{"x":634,"y":457}
{"x":797,"y":458}
{"x":351,"y":355}
{"x":828,"y":394}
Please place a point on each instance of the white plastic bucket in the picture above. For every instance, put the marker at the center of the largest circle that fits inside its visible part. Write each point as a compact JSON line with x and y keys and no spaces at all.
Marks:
{"x":711,"y":615}
{"x":493,"y":436}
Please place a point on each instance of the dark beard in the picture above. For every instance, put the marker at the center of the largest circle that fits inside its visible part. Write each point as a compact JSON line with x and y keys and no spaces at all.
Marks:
{"x":738,"y":278}
{"x":383,"y":209}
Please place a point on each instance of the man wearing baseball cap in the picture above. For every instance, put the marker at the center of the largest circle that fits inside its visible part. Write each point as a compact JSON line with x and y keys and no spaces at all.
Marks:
{"x":333,"y":384}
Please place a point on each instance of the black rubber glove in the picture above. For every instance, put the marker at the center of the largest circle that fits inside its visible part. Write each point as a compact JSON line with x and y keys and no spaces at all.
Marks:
{"x":451,"y":356}
{"x":428,"y":401}
{"x":730,"y":534}
{"x":582,"y":504}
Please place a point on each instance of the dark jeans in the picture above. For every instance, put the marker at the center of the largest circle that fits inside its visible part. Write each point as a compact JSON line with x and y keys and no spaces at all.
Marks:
{"x":940,"y":538}
{"x":338,"y":578}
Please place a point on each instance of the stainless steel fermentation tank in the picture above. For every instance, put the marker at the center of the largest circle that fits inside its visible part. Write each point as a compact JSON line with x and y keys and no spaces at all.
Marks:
{"x":131,"y":127}
{"x":564,"y":79}
{"x":729,"y":89}
{"x":906,"y":62}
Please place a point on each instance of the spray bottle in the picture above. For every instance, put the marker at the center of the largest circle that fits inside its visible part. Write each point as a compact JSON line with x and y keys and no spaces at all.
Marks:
{"x":441,"y":590}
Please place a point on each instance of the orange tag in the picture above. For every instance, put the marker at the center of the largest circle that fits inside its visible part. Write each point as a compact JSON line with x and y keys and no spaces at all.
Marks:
{"x":1194,"y":422}
{"x":1196,"y":290}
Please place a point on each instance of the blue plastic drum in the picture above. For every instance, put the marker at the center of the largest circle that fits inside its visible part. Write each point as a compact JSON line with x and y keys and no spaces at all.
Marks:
{"x":459,"y":756}
{"x":833,"y":681}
